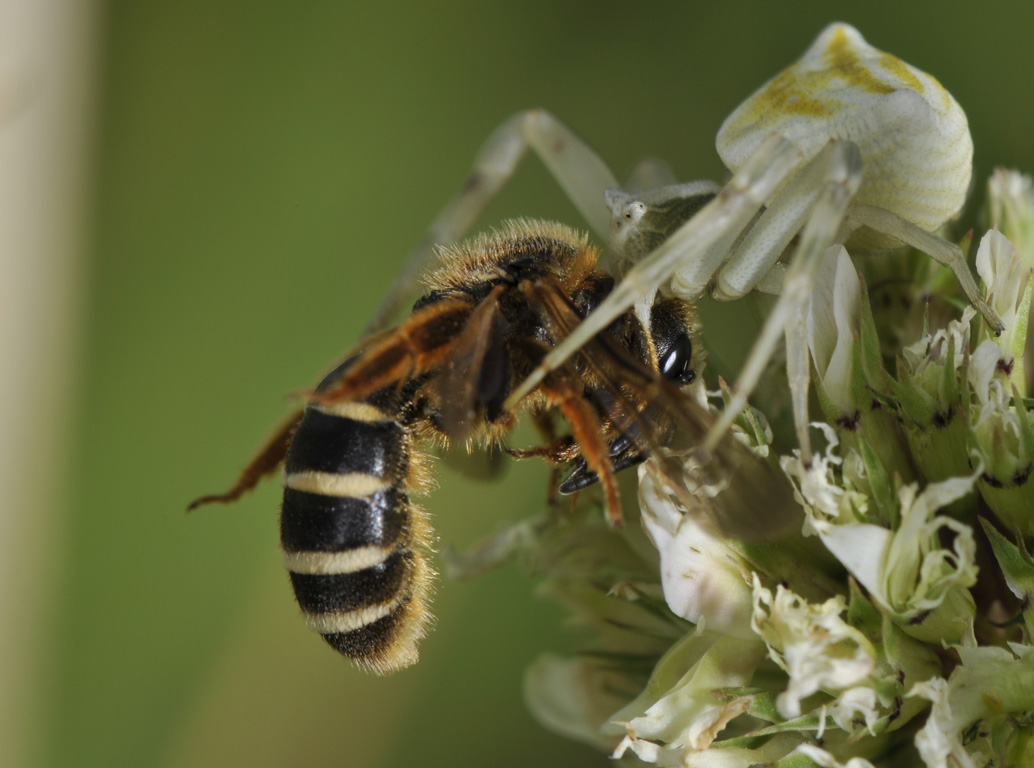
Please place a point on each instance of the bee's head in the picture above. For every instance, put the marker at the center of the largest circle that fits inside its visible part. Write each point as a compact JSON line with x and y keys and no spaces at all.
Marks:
{"x":671,"y":328}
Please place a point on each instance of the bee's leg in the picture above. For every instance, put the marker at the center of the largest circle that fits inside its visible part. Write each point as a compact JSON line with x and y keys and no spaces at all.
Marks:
{"x":265,"y":462}
{"x":573,"y":163}
{"x":556,"y":451}
{"x":555,"y":454}
{"x":566,"y":393}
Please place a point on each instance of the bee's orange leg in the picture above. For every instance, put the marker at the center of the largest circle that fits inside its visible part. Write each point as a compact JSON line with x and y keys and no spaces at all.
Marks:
{"x":588,"y":433}
{"x":265,"y":463}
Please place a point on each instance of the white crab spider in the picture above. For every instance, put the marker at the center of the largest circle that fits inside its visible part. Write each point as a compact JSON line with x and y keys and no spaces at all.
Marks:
{"x":848,"y":146}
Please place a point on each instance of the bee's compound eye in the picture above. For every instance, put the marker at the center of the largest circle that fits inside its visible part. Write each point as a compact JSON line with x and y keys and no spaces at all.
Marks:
{"x":675,"y":361}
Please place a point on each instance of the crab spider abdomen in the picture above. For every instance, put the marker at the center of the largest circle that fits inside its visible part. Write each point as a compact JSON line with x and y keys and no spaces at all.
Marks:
{"x":917,"y":153}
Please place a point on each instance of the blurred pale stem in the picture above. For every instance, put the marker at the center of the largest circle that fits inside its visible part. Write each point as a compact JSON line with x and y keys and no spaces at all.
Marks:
{"x":46,"y":85}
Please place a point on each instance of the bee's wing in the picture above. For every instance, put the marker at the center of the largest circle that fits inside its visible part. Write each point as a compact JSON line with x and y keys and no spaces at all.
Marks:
{"x":459,"y":343}
{"x":414,"y":347}
{"x":742,"y":493}
{"x":475,"y":372}
{"x":750,"y":497}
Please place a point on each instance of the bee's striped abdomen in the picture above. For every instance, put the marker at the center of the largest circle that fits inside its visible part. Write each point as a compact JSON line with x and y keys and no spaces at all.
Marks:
{"x":352,"y":541}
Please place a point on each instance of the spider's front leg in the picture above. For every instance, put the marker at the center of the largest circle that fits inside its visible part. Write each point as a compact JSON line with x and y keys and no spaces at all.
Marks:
{"x":819,"y":195}
{"x":579,"y":171}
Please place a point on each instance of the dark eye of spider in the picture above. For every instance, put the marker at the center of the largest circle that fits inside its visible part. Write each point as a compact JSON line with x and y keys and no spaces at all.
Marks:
{"x":675,"y":361}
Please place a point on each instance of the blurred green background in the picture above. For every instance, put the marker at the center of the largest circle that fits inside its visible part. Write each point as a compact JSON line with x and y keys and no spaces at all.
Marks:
{"x":259,"y":172}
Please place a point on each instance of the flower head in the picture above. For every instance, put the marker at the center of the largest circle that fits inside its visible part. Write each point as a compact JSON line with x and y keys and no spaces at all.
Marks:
{"x":893,"y":623}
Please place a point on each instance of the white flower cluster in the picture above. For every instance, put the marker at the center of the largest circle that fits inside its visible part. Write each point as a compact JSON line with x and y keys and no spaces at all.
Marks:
{"x":894,"y":625}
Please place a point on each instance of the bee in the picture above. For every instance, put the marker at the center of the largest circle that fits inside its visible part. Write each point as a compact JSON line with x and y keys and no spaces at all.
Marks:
{"x":355,"y":545}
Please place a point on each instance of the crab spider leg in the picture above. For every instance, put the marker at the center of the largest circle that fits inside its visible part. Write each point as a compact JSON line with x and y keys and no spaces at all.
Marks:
{"x":839,"y":166}
{"x":940,"y":250}
{"x":782,"y":220}
{"x":581,"y":173}
{"x":704,"y":238}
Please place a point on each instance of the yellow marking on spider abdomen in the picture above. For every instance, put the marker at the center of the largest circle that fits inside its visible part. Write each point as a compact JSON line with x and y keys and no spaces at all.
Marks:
{"x":904,"y":74}
{"x":821,"y":84}
{"x":845,"y":64}
{"x":790,"y":94}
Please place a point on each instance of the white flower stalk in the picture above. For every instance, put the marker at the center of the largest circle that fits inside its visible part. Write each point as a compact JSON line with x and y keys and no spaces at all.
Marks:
{"x":706,"y":574}
{"x":1003,"y":436}
{"x":957,"y":402}
{"x":990,"y":391}
{"x":770,"y":752}
{"x":1010,"y":208}
{"x":827,"y":501}
{"x":926,"y":358}
{"x":854,"y":704}
{"x":1000,"y":426}
{"x":817,"y":649}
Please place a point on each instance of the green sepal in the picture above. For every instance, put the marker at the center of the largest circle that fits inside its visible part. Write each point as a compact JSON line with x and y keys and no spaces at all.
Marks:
{"x":1018,"y":377}
{"x":936,"y":427}
{"x":862,"y":614}
{"x":870,"y":352}
{"x":940,"y":450}
{"x":947,"y":622}
{"x":916,"y":405}
{"x":831,"y":412}
{"x":881,"y":486}
{"x":948,"y":391}
{"x":872,"y":422}
{"x":1017,"y":568}
{"x":911,"y":662}
{"x":1007,"y":485}
{"x":747,"y":419}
